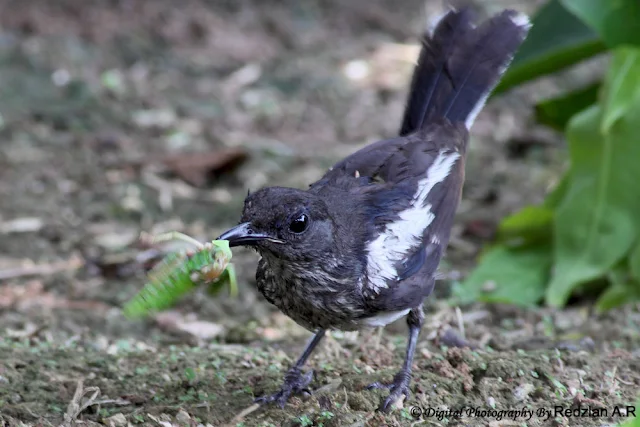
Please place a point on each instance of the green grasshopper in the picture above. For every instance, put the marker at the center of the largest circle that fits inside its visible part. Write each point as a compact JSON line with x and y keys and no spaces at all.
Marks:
{"x":180,"y":272}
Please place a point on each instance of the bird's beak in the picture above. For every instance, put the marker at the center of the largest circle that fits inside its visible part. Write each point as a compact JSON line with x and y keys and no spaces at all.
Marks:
{"x":244,"y":235}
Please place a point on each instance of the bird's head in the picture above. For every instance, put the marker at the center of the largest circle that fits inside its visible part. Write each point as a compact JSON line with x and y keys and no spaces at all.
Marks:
{"x":288,"y":223}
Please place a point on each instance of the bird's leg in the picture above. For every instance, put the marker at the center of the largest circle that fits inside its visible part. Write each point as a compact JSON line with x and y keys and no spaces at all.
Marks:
{"x":400,"y":384}
{"x":294,"y":380}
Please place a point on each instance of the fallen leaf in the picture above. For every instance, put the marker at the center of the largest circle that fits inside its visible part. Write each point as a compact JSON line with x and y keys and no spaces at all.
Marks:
{"x":201,"y":329}
{"x":116,"y":239}
{"x":21,"y":225}
{"x":117,"y":420}
{"x":172,"y":320}
{"x":11,"y":294}
{"x":196,"y":168}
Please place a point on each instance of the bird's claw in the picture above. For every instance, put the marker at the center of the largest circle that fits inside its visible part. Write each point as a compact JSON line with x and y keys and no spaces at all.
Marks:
{"x":397,"y":388}
{"x":294,"y":382}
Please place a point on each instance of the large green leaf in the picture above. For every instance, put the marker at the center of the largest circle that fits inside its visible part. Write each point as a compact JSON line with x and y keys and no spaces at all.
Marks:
{"x":616,"y":21}
{"x":556,"y":112}
{"x":557,"y":40}
{"x":596,"y":223}
{"x":507,"y":275}
{"x":593,"y":229}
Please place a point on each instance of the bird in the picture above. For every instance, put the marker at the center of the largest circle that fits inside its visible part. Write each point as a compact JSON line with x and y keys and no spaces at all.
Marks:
{"x":359,"y":248}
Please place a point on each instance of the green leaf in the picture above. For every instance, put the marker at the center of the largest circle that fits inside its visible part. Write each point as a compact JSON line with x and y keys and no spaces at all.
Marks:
{"x":508,"y":275}
{"x":531,"y":224}
{"x":555,"y":197}
{"x":190,"y":374}
{"x":623,"y":290}
{"x":596,"y":222}
{"x":556,"y":112}
{"x":615,"y":296}
{"x":634,"y":262}
{"x":616,"y":21}
{"x":623,"y":85}
{"x":557,"y":40}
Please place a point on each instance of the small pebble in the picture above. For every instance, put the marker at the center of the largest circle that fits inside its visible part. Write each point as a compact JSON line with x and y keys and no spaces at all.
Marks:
{"x":117,"y":420}
{"x":491,"y":402}
{"x":523,"y":391}
{"x":183,"y":418}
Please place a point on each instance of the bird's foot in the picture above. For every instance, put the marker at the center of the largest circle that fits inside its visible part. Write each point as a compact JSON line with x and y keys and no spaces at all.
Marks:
{"x":397,"y":388}
{"x":294,"y":382}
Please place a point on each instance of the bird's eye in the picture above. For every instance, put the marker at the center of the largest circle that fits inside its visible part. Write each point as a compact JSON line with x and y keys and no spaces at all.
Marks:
{"x":299,"y":224}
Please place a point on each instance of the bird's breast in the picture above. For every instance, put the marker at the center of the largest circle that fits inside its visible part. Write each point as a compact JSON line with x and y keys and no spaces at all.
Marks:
{"x":311,"y":296}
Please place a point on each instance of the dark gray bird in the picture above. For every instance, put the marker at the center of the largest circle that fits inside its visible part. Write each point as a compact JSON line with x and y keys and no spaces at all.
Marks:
{"x":361,"y":246}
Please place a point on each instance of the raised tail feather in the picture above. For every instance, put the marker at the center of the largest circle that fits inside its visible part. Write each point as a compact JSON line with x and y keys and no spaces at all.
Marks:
{"x":459,"y":65}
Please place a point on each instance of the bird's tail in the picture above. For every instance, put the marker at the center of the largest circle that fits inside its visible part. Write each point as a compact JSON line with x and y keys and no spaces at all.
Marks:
{"x":459,"y":65}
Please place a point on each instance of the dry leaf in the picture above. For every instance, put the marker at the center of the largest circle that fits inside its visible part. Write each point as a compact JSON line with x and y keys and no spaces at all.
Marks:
{"x":173,"y":320}
{"x":196,"y":168}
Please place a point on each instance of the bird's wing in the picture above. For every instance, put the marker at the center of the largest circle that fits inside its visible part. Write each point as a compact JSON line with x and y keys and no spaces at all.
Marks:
{"x":366,"y":162}
{"x":411,"y":215}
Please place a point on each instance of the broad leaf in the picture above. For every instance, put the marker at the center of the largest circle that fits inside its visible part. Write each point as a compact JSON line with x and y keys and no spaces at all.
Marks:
{"x":507,"y":275}
{"x":596,"y":222}
{"x":614,"y":296}
{"x":634,"y":263}
{"x":556,"y":112}
{"x":557,"y":40}
{"x":616,"y":21}
{"x":531,"y":224}
{"x":623,"y":290}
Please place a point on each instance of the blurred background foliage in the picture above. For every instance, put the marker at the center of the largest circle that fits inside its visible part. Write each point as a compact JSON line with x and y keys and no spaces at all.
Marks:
{"x":585,"y":237}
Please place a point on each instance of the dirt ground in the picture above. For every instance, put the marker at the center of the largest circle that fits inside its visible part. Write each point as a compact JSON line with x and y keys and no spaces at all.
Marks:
{"x":101,"y":104}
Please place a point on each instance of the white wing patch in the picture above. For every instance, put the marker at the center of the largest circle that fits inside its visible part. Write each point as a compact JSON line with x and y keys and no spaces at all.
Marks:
{"x":393,"y":244}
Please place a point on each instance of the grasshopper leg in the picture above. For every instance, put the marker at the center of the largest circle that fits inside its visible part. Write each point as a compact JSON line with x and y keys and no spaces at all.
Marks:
{"x":228,"y":279}
{"x":173,"y":235}
{"x":230,"y":273}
